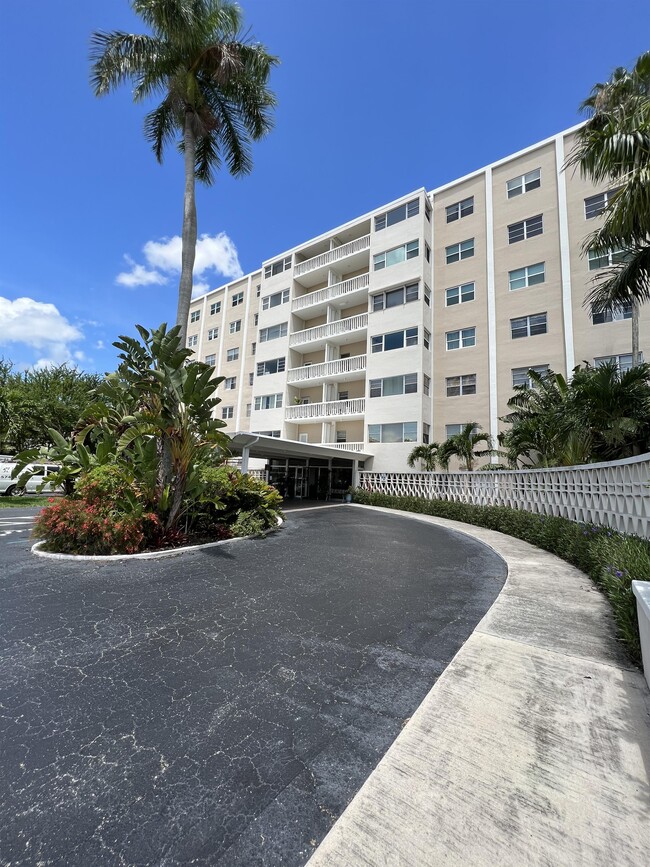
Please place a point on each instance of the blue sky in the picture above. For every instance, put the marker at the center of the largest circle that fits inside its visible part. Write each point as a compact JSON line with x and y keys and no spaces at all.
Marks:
{"x":376,"y":98}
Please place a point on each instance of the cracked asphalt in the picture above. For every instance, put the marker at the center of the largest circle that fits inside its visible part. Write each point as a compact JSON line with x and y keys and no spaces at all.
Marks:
{"x":221,"y":707}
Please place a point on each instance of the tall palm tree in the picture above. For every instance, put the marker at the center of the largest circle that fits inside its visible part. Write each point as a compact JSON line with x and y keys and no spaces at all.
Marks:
{"x":614,"y":147}
{"x":463,"y":445}
{"x":215,"y":95}
{"x":426,"y":454}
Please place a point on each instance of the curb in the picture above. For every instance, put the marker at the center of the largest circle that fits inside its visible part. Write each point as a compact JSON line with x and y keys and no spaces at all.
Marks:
{"x":147,"y":555}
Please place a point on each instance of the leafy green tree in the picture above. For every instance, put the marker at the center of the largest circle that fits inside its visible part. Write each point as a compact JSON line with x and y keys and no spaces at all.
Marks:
{"x":36,"y":401}
{"x":614,"y":147}
{"x":215,"y":95}
{"x":426,"y":454}
{"x":463,"y":446}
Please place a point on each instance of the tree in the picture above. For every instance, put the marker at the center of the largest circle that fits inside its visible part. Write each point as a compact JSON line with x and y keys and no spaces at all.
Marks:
{"x":614,"y":147}
{"x":426,"y":454}
{"x":463,"y":446}
{"x":215,"y":95}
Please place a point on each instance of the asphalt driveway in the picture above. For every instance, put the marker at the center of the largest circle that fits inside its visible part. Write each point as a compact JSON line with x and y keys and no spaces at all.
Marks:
{"x":221,"y":707}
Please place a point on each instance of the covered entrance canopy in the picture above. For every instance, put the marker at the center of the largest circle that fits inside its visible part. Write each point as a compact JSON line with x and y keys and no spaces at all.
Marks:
{"x":303,"y":467}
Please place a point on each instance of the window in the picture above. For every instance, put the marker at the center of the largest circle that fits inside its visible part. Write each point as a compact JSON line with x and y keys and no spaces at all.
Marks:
{"x":230,"y":383}
{"x":396,"y":297}
{"x":427,"y":210}
{"x":235,"y":326}
{"x":273,"y":332}
{"x":524,"y":183}
{"x":215,"y":308}
{"x":605,"y":258}
{"x":452,"y":430}
{"x":601,"y":316}
{"x":237,"y":298}
{"x":402,"y":432}
{"x":520,"y":375}
{"x":251,"y":378}
{"x":396,"y":255}
{"x":427,"y":252}
{"x":427,"y":295}
{"x":227,"y":412}
{"x":394,"y":340}
{"x":211,"y":360}
{"x":232,"y":354}
{"x":396,"y":215}
{"x":213,"y":333}
{"x":525,"y":229}
{"x":193,"y":340}
{"x":267,"y":433}
{"x":268,"y":401}
{"x":426,"y":384}
{"x":195,"y":315}
{"x":343,"y":395}
{"x":459,"y":385}
{"x":426,"y":433}
{"x":527,"y":326}
{"x":341,"y":436}
{"x":249,"y":407}
{"x":392,"y":385}
{"x":275,"y":365}
{"x":462,"y":250}
{"x":595,"y":205}
{"x":460,"y":209}
{"x":256,"y":319}
{"x":275,"y":300}
{"x":459,"y":294}
{"x":461,"y":339}
{"x":253,"y":348}
{"x":531,"y":275}
{"x":623,"y":362}
{"x":277,"y":267}
{"x":258,"y":290}
{"x":426,"y":338}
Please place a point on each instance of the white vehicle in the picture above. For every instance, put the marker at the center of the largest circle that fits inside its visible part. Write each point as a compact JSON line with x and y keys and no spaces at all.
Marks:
{"x":12,"y":487}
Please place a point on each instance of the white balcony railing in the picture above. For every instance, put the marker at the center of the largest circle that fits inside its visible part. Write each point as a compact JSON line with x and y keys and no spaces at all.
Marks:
{"x":329,"y":329}
{"x":331,"y":256}
{"x":329,"y":293}
{"x":356,"y":406}
{"x":348,"y":447}
{"x":327,"y":368}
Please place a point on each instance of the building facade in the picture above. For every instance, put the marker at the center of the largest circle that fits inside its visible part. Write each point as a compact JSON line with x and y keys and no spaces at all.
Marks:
{"x":404,"y":324}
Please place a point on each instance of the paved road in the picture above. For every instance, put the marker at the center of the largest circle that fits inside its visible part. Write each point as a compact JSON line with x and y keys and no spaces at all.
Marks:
{"x":221,"y":707}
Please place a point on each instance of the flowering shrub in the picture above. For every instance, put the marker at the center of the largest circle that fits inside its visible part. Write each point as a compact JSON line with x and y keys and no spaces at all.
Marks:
{"x":611,"y":559}
{"x":244,"y":504}
{"x":74,"y":526}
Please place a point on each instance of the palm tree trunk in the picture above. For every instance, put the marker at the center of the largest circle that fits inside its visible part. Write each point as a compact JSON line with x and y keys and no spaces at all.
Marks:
{"x":635,"y":333}
{"x":189,"y":227}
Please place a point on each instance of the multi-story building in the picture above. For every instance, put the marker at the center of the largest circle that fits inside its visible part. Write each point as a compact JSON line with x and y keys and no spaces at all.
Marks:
{"x":410,"y":321}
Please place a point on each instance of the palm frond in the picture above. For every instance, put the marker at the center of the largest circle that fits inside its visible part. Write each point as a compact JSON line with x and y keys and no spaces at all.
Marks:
{"x":161,"y":127}
{"x":117,"y":57}
{"x":620,"y":284}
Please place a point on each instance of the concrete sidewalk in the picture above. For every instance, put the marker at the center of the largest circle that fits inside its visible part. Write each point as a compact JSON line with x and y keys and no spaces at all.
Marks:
{"x":532,"y":748}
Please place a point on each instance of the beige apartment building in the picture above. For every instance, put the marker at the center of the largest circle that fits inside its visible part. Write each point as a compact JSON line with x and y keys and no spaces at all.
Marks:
{"x":405,"y":323}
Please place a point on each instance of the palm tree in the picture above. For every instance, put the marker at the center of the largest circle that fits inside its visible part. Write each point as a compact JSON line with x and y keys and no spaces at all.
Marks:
{"x":462,"y":445}
{"x":614,"y":147}
{"x":215,"y":95}
{"x":427,"y":454}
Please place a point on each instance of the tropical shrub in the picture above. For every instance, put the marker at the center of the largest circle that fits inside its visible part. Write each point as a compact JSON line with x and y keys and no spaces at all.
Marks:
{"x":244,"y":504}
{"x":612,"y":560}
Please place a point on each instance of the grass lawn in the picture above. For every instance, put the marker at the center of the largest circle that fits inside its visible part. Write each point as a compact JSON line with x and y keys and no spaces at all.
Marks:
{"x":22,"y":502}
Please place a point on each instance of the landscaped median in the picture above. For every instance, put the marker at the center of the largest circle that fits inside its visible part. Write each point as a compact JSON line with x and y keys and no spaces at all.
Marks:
{"x":612,"y":560}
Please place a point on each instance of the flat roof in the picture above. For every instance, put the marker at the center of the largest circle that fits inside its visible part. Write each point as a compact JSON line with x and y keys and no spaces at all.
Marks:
{"x":261,"y":446}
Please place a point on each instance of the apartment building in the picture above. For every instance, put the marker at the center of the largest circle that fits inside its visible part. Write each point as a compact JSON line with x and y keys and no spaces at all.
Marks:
{"x":405,"y":323}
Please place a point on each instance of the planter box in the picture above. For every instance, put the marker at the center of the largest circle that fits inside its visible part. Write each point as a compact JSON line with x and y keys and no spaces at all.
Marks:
{"x":641,"y":590}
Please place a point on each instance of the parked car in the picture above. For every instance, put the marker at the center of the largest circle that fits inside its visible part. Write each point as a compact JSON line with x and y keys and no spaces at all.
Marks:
{"x":15,"y":488}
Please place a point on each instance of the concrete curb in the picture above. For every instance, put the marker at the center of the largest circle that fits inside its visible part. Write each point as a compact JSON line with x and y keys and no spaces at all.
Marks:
{"x":530,"y":749}
{"x":147,"y":555}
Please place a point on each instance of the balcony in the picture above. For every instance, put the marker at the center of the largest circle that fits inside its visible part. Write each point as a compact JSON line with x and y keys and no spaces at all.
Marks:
{"x":339,"y":331}
{"x":342,"y":370}
{"x":331,"y":409}
{"x":351,"y":292}
{"x":307,"y":272}
{"x":348,"y":447}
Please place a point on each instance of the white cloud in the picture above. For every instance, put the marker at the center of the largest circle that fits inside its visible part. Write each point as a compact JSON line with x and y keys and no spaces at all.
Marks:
{"x":215,"y":253}
{"x":99,"y":344}
{"x":38,"y":326}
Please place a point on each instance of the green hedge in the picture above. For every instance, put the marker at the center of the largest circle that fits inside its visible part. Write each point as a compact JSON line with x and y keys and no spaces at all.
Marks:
{"x":612,"y":560}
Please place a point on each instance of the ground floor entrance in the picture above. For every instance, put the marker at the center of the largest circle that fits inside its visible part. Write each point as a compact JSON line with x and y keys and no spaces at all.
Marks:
{"x":310,"y":478}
